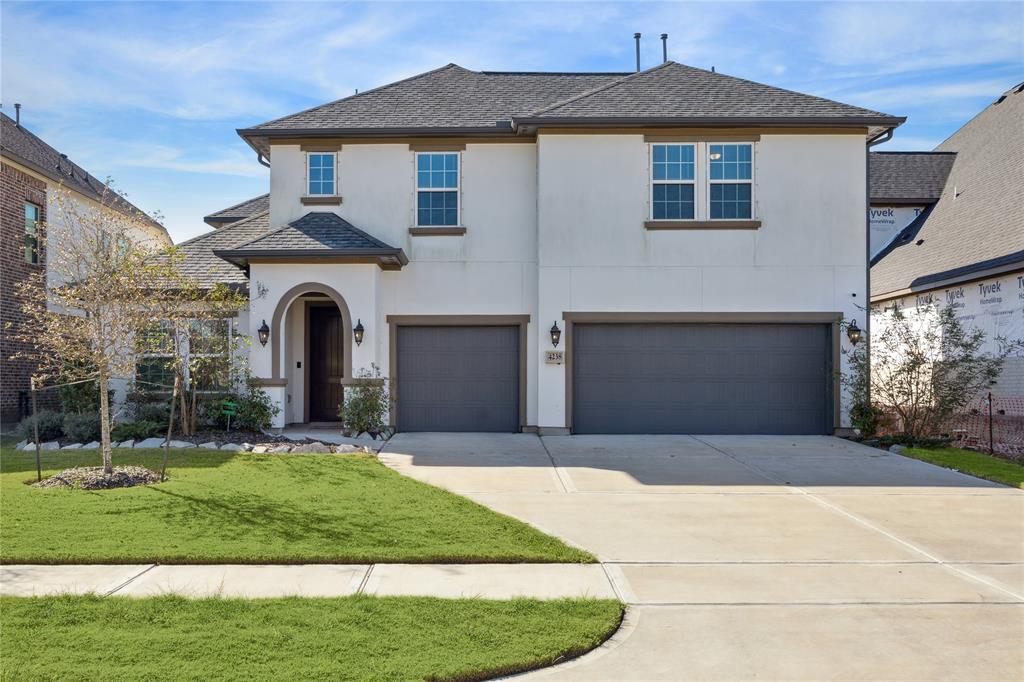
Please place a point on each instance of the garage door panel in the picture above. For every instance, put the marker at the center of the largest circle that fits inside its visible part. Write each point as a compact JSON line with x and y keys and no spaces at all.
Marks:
{"x":700,"y":378}
{"x":457,"y":378}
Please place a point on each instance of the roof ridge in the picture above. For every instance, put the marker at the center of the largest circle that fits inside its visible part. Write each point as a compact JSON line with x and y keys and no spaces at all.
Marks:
{"x":240,"y":203}
{"x":556,"y":73}
{"x":224,"y":230}
{"x":362,"y":233}
{"x":256,"y":239}
{"x":910,"y":151}
{"x":364,"y":92}
{"x":593,"y":91}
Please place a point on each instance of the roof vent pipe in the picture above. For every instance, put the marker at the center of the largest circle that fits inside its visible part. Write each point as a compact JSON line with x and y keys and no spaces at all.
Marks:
{"x":636,"y":37}
{"x":17,"y":114}
{"x":664,"y":48}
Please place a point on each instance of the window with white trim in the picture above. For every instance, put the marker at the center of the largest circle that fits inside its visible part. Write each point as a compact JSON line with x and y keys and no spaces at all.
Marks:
{"x":209,"y":357}
{"x":437,"y":189}
{"x":730,"y":181}
{"x":31,"y":241}
{"x":673,"y":179}
{"x":701,"y":181}
{"x":154,"y":368}
{"x":321,"y":174}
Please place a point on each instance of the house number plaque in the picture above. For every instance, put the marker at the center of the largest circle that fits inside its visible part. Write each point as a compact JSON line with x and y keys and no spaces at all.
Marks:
{"x":554,"y":357}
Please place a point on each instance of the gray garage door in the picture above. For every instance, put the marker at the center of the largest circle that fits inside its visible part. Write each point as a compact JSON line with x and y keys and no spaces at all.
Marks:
{"x":458,"y":379}
{"x":701,"y":378}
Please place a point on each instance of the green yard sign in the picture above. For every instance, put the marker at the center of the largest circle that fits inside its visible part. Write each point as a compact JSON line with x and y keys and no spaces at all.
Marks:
{"x":229,"y":408}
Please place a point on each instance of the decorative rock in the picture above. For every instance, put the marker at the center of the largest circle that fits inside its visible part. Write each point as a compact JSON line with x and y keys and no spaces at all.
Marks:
{"x":232,"y":447}
{"x":260,"y":449}
{"x":71,"y":446}
{"x":91,"y":446}
{"x":318,"y":448}
{"x":52,"y":445}
{"x":125,"y":444}
{"x":209,"y":446}
{"x":181,"y":444}
{"x":150,"y":443}
{"x":280,"y":449}
{"x":345,"y":449}
{"x":21,"y":445}
{"x":247,"y":446}
{"x":896,"y":449}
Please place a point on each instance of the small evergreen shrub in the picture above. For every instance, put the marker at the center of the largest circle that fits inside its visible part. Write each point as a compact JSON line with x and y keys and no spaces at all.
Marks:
{"x":365,"y":405}
{"x":136,"y":430}
{"x":51,"y":426}
{"x":255,"y":410}
{"x":82,"y":428}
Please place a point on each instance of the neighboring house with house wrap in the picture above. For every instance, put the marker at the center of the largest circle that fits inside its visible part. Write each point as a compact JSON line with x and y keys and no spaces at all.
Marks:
{"x":666,"y":251}
{"x":34,"y":175}
{"x":967,"y":247}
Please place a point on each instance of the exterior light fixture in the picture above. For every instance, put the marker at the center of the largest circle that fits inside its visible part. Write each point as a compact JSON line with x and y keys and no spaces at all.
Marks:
{"x":715,"y":156}
{"x":556,"y":335}
{"x":853,"y":333}
{"x":264,"y":332}
{"x":357,"y":332}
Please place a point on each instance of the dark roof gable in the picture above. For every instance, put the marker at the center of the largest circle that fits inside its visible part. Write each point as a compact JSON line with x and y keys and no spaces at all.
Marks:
{"x":245,"y":209}
{"x":908,"y":177}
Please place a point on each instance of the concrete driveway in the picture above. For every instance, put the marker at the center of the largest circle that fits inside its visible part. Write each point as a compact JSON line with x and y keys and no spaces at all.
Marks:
{"x":763,"y":557}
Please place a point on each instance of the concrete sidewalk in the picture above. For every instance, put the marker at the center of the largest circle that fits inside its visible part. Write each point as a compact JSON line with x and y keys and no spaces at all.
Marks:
{"x":487,"y":581}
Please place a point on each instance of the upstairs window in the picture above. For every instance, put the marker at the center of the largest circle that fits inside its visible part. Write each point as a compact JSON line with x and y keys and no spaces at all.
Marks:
{"x":321,"y":174}
{"x":437,"y":189}
{"x":673,"y":175}
{"x":731,"y":171}
{"x":31,"y":242}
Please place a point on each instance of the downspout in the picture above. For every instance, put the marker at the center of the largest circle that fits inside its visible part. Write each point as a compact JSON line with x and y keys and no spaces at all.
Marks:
{"x":881,"y":138}
{"x":262,"y":160}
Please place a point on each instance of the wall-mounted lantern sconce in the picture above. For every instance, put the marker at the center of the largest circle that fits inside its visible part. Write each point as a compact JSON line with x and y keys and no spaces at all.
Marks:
{"x":556,"y":335}
{"x":357,"y":332}
{"x":264,"y":332}
{"x":853,"y":333}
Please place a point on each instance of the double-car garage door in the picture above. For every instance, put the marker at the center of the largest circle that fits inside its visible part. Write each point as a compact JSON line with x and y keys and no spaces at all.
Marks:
{"x":626,"y":378}
{"x":701,"y":378}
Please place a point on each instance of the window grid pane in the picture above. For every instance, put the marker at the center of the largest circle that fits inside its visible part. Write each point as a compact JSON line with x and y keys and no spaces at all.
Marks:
{"x":672,"y":162}
{"x":437,"y":208}
{"x":730,"y":201}
{"x":673,"y":202}
{"x":31,"y":240}
{"x":731,"y":161}
{"x":321,"y":174}
{"x":437,"y":171}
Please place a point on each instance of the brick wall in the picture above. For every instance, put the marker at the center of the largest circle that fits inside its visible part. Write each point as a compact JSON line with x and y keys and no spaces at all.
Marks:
{"x":16,"y":188}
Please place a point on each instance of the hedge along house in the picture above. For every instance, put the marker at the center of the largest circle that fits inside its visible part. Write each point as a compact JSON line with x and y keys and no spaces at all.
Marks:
{"x":666,"y":251}
{"x":966,"y":249}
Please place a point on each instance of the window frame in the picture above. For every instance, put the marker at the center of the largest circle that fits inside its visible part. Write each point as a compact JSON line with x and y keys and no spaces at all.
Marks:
{"x":226,"y":355}
{"x":693,"y":182}
{"x":702,"y":181}
{"x":334,"y":188}
{"x":417,"y":189}
{"x":34,"y":235}
{"x":738,"y":181}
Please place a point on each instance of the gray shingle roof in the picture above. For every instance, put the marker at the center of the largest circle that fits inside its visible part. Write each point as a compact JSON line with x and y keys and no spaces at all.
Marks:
{"x":245,"y":209}
{"x":672,"y":91}
{"x":448,"y":97}
{"x":457,"y":100}
{"x":315,"y":235}
{"x":200,"y":263}
{"x":29,"y":150}
{"x":978,"y":222}
{"x":908,"y":177}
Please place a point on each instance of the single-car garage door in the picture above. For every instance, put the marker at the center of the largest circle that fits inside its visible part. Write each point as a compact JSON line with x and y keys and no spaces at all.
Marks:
{"x":457,"y":379}
{"x":701,"y":378}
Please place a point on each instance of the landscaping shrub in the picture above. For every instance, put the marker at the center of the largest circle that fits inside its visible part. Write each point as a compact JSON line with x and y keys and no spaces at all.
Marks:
{"x":909,"y":441}
{"x":137,"y":430}
{"x":255,"y":410}
{"x":153,"y":412}
{"x":366,"y":404}
{"x":51,"y":426}
{"x":82,"y":428}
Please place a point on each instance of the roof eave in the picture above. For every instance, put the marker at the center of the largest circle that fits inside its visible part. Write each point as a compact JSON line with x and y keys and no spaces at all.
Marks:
{"x":904,"y":201}
{"x":712,"y":121}
{"x":387,"y":259}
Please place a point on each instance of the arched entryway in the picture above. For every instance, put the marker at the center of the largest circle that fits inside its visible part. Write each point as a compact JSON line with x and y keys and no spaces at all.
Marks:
{"x":312,"y":350}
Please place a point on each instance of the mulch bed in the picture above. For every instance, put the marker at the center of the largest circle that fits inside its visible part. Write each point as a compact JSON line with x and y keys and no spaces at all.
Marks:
{"x":93,"y":478}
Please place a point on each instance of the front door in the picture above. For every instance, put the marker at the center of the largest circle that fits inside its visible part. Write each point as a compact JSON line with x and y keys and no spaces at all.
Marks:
{"x":326,"y":349}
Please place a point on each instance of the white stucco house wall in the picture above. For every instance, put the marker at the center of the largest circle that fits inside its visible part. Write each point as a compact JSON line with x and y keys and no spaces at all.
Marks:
{"x":666,"y":251}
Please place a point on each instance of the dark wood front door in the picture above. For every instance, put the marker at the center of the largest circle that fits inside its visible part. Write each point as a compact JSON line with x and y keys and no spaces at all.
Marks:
{"x":326,"y":349}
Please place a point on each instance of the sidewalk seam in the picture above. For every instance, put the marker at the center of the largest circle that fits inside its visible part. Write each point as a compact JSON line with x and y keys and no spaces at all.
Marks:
{"x":563,"y":476}
{"x":130,"y":580}
{"x":366,"y":579}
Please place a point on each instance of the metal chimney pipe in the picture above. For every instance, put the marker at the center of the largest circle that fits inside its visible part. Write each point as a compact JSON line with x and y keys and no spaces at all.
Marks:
{"x":664,"y":48}
{"x":17,"y":114}
{"x":636,"y":37}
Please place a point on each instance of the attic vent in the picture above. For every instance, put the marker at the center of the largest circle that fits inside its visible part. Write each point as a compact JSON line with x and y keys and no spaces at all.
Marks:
{"x":1019,"y":88}
{"x":1001,"y":98}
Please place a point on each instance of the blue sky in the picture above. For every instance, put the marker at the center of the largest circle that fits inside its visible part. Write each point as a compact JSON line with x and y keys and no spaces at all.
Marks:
{"x":151,"y":93}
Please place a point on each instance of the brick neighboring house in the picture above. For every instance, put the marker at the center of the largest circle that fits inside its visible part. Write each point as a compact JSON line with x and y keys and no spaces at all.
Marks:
{"x":30,"y":172}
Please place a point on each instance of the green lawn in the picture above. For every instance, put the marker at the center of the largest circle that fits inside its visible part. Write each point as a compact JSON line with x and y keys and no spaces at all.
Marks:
{"x":220,"y":507}
{"x":351,"y":638}
{"x":974,"y":463}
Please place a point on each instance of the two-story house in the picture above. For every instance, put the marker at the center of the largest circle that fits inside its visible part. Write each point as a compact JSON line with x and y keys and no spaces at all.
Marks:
{"x":667,"y":251}
{"x":36,"y":178}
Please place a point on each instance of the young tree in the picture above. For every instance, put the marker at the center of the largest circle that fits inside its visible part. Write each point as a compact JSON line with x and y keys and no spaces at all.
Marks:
{"x":924,"y":367}
{"x":103,"y":288}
